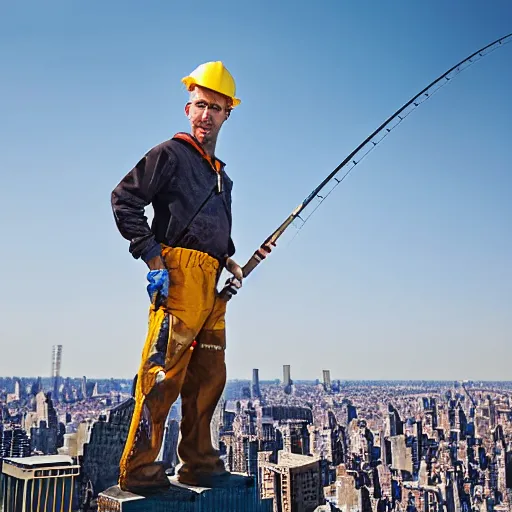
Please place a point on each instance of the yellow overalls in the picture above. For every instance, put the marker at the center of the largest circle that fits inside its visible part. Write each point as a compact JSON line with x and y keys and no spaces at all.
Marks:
{"x":186,"y":339}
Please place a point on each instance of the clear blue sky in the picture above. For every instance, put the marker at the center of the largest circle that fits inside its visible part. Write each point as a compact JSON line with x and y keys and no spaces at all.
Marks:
{"x":403,"y":273}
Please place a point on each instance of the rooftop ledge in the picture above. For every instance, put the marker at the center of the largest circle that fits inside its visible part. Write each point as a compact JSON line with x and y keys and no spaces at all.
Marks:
{"x":236,"y":494}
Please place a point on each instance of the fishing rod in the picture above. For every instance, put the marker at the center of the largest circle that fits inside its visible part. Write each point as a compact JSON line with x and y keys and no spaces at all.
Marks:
{"x":358,"y":154}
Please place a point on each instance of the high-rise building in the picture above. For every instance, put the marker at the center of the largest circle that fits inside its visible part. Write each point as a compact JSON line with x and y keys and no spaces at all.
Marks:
{"x":255,"y":387}
{"x":287,"y":378}
{"x":347,"y":494}
{"x":295,"y":437}
{"x":14,"y":442}
{"x":43,"y":483}
{"x":37,"y":386}
{"x":169,"y":451}
{"x":56,"y":363}
{"x":294,"y":483}
{"x":83,"y":388}
{"x":351,"y":413}
{"x":102,"y":451}
{"x":396,"y":425}
{"x":327,"y":380}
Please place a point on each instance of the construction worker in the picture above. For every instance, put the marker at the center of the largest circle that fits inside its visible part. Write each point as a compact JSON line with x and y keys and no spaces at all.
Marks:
{"x":186,"y":248}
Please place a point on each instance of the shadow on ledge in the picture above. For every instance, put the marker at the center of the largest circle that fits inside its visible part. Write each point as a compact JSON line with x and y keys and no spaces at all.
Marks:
{"x":238,"y":493}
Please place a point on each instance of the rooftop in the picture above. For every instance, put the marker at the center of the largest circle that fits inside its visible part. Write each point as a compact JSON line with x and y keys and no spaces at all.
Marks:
{"x":40,"y":461}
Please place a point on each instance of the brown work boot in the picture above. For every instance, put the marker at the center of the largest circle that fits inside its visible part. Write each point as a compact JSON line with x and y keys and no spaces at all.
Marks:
{"x":199,"y":477}
{"x":146,"y":479}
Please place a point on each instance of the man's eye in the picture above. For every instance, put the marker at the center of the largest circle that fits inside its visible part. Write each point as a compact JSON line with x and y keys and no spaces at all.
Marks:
{"x":217,"y":108}
{"x":201,"y":104}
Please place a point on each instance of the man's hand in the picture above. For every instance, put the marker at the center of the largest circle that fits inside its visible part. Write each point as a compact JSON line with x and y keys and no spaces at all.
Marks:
{"x":235,"y":282}
{"x":234,"y":268}
{"x":156,"y":263}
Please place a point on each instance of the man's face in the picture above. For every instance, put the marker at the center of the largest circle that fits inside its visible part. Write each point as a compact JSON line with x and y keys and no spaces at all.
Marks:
{"x":207,"y":111}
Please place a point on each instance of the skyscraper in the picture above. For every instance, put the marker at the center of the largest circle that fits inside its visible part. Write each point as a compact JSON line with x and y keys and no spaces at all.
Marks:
{"x":255,"y":387}
{"x":56,"y":362}
{"x":351,"y":413}
{"x":396,"y":425}
{"x":287,"y":379}
{"x":83,"y":387}
{"x":327,"y":380}
{"x":294,"y":482}
{"x":14,"y":442}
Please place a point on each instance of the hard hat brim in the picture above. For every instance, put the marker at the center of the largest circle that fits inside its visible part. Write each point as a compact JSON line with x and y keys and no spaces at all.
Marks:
{"x":190,"y":82}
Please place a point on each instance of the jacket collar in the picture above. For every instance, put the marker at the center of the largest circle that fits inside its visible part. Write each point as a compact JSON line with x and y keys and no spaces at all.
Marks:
{"x":216,"y":164}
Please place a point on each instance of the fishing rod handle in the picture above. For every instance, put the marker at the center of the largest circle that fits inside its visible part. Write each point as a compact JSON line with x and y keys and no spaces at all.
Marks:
{"x":253,"y":262}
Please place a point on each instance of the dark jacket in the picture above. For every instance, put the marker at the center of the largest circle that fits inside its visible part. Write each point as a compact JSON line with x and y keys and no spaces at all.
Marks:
{"x":182,"y":185}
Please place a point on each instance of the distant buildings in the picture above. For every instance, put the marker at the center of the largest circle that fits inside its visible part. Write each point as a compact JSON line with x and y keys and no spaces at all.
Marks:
{"x":360,"y":447}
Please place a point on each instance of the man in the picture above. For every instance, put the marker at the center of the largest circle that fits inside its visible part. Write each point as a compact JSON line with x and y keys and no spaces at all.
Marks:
{"x":186,"y":248}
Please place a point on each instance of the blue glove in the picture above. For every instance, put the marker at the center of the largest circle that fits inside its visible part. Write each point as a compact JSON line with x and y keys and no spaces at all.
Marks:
{"x":158,"y":287}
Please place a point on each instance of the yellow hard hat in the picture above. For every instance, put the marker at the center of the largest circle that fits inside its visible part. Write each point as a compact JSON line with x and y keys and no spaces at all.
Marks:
{"x":214,"y":76}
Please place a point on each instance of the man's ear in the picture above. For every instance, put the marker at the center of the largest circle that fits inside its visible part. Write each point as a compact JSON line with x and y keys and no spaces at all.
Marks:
{"x":187,"y":109}
{"x":228,"y":113}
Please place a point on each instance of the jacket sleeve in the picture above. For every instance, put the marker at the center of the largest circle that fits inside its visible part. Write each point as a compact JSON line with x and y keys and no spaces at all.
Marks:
{"x":231,"y":247}
{"x":136,"y":191}
{"x":231,"y":244}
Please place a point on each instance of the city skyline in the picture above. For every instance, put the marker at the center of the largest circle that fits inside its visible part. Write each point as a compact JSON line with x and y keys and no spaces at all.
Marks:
{"x":410,"y":257}
{"x":361,"y":447}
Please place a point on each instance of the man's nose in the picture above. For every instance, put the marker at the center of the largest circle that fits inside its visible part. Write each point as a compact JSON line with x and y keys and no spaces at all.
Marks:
{"x":206,"y":113}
